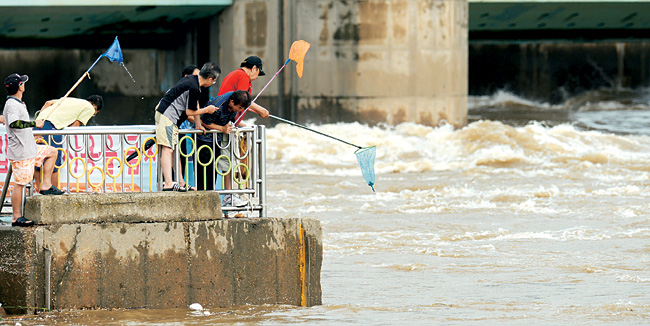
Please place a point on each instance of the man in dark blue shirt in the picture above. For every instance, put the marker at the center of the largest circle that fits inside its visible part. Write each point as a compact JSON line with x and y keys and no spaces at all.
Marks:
{"x":228,"y":105}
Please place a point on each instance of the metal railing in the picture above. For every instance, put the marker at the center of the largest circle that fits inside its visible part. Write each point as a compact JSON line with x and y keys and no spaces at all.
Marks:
{"x":94,"y":160}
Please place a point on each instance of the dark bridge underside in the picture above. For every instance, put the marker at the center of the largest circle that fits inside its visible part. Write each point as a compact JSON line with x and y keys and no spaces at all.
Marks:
{"x":84,"y":26}
{"x":579,"y":21}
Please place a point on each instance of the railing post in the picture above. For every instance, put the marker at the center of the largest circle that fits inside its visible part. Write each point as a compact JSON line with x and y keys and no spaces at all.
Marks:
{"x":103,"y":144}
{"x":159,"y":182}
{"x":116,"y":136}
{"x":262,"y":164}
{"x":176,"y":162}
{"x":6,"y":186}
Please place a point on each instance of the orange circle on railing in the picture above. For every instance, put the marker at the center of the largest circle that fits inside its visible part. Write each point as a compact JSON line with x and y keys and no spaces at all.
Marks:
{"x":108,"y":162}
{"x":90,"y":172}
{"x":145,"y":152}
{"x":70,"y":168}
{"x":136,"y":162}
{"x":65,"y":158}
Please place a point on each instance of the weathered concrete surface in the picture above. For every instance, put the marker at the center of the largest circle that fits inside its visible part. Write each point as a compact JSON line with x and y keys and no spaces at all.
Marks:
{"x":217,"y":263}
{"x":370,"y":61}
{"x":15,"y":282}
{"x":124,"y":207}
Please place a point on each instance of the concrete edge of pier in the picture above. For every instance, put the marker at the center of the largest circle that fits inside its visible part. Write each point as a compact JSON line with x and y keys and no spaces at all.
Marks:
{"x":136,"y":207}
{"x":142,"y":260}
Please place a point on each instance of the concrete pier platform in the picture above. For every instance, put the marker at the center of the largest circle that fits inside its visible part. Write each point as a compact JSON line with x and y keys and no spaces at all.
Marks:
{"x":109,"y":251}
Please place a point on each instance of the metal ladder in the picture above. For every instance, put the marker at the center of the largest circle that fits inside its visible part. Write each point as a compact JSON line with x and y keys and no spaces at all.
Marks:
{"x":6,"y":187}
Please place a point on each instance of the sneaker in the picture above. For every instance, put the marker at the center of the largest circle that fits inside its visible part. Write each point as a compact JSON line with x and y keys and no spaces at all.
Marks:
{"x":238,"y":202}
{"x":52,"y":191}
{"x":227,"y":201}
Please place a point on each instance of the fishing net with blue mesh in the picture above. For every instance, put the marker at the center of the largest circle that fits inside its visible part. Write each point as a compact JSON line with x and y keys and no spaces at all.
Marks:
{"x":366,"y":158}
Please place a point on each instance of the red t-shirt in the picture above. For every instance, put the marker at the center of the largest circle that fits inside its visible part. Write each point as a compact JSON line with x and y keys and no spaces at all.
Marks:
{"x":237,"y":80}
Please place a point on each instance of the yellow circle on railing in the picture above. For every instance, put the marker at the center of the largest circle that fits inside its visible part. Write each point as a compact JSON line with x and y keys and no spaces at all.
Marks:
{"x":65,"y":158}
{"x":136,"y":162}
{"x":216,"y":165}
{"x":198,"y":156}
{"x":70,"y":168}
{"x":90,"y":172}
{"x":145,"y":152}
{"x":247,"y":174}
{"x":179,"y":144}
{"x":108,"y":162}
{"x":82,"y":173}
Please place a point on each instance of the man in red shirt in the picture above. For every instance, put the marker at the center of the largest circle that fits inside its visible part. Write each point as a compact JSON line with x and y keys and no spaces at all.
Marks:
{"x":242,"y":80}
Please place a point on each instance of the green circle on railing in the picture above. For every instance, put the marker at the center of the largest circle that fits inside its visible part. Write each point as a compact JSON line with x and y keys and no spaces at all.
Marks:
{"x":179,"y":145}
{"x":198,"y":155}
{"x":247,"y":173}
{"x":216,"y":165}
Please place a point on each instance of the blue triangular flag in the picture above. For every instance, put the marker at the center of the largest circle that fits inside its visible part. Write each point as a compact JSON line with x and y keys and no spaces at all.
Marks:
{"x":114,"y":53}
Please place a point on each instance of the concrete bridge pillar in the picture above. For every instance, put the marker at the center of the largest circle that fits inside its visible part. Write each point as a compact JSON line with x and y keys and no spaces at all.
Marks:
{"x":370,"y":61}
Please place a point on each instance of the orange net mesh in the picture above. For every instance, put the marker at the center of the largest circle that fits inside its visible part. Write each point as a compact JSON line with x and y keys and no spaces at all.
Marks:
{"x":297,"y":54}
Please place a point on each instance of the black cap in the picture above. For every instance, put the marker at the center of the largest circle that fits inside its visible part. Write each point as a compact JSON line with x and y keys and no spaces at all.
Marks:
{"x":255,"y":61}
{"x":13,"y":81}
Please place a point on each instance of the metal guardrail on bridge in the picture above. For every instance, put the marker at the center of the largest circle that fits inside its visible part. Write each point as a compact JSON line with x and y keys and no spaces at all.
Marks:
{"x":94,"y":161}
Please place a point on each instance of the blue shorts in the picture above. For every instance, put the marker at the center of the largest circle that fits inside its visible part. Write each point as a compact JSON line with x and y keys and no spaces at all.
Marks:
{"x":55,"y":141}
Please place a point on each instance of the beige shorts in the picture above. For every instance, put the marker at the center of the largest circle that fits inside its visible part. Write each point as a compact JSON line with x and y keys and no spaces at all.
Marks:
{"x":23,"y":171}
{"x":166,"y":131}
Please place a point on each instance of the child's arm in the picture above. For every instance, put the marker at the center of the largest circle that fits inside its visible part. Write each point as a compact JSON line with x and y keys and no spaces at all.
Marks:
{"x":22,"y":124}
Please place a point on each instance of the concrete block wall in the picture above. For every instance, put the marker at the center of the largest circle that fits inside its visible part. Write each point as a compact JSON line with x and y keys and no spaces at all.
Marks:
{"x":161,"y":263}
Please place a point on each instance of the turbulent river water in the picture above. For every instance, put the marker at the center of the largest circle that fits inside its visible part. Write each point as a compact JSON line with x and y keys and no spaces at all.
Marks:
{"x":532,"y":214}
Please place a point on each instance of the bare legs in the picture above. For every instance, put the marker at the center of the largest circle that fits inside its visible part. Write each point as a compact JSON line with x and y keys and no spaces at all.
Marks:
{"x":47,"y":168}
{"x":16,"y":201}
{"x":166,"y":166}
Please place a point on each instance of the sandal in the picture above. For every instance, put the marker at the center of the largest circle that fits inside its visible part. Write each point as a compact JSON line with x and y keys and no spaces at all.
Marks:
{"x":175,"y":187}
{"x":52,"y":191}
{"x":22,"y":221}
{"x":187,"y":187}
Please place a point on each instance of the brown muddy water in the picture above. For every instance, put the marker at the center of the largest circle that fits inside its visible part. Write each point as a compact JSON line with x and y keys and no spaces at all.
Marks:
{"x":530,"y":221}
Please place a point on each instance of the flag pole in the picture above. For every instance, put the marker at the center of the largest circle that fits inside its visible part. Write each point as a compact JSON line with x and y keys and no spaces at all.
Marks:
{"x":114,"y":53}
{"x":58,"y":103}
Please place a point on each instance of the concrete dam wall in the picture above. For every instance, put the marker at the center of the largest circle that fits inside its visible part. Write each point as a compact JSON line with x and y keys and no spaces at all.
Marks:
{"x":555,"y":71}
{"x":370,"y":61}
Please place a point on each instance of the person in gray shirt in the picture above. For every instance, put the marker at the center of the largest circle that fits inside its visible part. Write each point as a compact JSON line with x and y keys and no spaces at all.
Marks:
{"x":22,"y":151}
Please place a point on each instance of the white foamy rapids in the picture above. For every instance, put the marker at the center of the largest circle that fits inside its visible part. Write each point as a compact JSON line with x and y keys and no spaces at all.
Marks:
{"x":504,"y":99}
{"x":410,"y":147}
{"x":455,"y":240}
{"x":593,"y":100}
